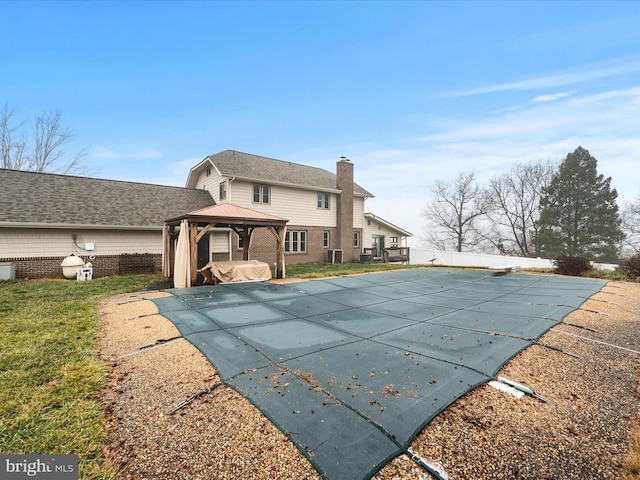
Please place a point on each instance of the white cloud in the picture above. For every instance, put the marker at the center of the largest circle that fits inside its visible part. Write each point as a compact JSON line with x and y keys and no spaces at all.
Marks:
{"x":612,"y":94}
{"x":558,"y":79}
{"x":551,"y":97}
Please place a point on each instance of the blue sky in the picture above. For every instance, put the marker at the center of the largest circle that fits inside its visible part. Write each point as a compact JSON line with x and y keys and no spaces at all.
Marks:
{"x":411,"y":92}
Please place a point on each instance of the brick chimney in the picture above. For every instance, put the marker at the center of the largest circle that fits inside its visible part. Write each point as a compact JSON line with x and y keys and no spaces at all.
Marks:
{"x":344,"y":220}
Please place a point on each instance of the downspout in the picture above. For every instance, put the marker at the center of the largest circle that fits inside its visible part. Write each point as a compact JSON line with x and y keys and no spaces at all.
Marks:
{"x":231,"y":179}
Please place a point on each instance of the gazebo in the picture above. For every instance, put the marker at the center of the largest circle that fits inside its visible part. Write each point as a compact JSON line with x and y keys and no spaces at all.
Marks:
{"x":181,"y":259}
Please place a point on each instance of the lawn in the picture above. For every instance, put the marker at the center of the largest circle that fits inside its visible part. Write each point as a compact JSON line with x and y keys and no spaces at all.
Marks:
{"x":319,"y":270}
{"x":50,"y":379}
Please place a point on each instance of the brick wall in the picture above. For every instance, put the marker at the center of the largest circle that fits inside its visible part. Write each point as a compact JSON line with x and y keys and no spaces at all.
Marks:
{"x":49,"y":267}
{"x":263,"y":247}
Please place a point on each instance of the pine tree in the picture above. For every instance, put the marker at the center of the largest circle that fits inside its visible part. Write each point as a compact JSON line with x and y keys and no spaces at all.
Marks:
{"x":579,"y":213}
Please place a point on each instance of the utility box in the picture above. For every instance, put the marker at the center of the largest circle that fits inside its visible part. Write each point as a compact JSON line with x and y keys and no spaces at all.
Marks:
{"x":365,"y":258}
{"x":7,"y":271}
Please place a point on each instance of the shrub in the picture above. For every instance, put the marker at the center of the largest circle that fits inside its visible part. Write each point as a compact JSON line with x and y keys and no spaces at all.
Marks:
{"x":631,"y":265}
{"x":571,"y":265}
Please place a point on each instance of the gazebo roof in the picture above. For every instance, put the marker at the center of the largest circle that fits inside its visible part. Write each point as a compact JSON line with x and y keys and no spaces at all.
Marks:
{"x":240,"y":219}
{"x":230,"y":215}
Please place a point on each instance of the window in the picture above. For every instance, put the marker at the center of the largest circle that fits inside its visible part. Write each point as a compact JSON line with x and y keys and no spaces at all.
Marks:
{"x":356,"y":239}
{"x":223,"y":190}
{"x":295,"y":241}
{"x":394,"y":241}
{"x":240,"y":243}
{"x":323,"y":200}
{"x":208,"y":171}
{"x":261,"y":193}
{"x":325,"y":239}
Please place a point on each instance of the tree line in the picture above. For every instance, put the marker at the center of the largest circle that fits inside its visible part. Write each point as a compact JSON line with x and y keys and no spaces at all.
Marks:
{"x":536,"y":209}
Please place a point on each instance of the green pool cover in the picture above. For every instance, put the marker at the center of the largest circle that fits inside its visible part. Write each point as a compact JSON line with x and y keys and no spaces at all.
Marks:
{"x":352,"y":368}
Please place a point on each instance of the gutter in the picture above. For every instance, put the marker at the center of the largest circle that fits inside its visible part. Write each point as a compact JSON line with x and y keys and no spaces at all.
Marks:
{"x":78,"y":226}
{"x":388,"y":224}
{"x":299,"y":186}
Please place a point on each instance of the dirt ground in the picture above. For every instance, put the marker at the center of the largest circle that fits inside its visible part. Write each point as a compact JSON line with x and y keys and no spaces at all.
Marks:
{"x":487,"y":434}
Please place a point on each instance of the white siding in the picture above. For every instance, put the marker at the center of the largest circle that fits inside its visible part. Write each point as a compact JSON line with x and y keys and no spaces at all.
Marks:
{"x":298,"y":206}
{"x":219,"y":241}
{"x":373,"y":228}
{"x":358,"y":212}
{"x":212,"y":184}
{"x":28,"y":242}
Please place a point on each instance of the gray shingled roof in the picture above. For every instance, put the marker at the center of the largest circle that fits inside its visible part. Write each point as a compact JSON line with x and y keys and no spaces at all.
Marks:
{"x":253,"y":167}
{"x":44,"y":198}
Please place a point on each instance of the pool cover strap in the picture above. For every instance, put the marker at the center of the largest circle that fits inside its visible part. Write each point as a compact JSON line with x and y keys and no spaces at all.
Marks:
{"x":186,"y":402}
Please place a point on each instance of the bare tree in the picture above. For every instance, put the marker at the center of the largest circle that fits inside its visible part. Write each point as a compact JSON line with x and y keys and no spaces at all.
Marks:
{"x":43,"y":150}
{"x":631,"y":227}
{"x":454,"y":212}
{"x":515,"y":206}
{"x":12,"y":144}
{"x":49,"y":141}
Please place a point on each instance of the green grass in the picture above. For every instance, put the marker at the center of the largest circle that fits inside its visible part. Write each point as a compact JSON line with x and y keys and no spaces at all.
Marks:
{"x":50,"y":378}
{"x":616,"y":275}
{"x":319,"y":270}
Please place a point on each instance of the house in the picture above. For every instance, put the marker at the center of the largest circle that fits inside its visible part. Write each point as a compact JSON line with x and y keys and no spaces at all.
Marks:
{"x":118,"y":225}
{"x":386,"y":241}
{"x":325,"y":211}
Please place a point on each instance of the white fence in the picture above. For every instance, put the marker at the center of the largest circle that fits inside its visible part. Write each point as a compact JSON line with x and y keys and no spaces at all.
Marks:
{"x":463,"y":259}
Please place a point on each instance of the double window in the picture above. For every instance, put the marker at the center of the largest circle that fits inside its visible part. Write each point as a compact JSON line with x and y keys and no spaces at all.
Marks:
{"x":295,"y":241}
{"x":261,"y":193}
{"x":323,"y":200}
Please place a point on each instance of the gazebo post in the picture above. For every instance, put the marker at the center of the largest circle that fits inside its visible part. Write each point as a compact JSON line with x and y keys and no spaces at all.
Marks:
{"x":194,"y":251}
{"x":246,"y":242}
{"x":172,"y":249}
{"x":280,"y":264}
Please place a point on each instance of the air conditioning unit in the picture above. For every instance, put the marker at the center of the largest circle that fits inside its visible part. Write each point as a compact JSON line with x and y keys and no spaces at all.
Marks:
{"x":335,"y":255}
{"x":7,"y":271}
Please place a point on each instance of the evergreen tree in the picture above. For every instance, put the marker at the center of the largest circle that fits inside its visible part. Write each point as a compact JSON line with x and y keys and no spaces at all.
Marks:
{"x":579,"y":213}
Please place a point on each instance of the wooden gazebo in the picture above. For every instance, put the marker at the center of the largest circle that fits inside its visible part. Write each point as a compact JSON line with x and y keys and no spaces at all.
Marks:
{"x":241,"y":220}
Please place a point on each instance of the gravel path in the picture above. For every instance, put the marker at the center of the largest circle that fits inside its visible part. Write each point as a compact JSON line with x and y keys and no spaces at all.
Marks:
{"x":487,"y":434}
